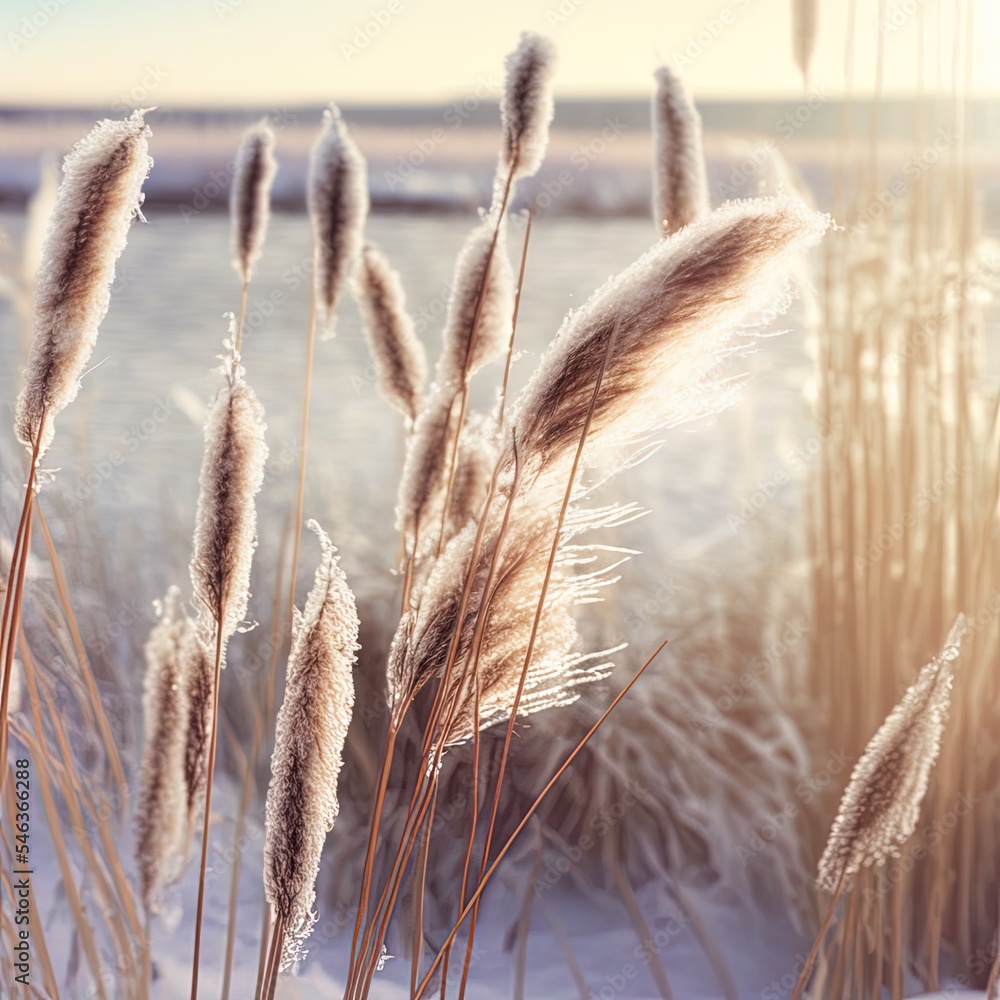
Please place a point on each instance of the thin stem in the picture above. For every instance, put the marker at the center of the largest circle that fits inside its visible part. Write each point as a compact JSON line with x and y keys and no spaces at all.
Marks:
{"x":470,"y":343}
{"x":234,"y":882}
{"x":420,"y":881}
{"x":13,"y":597}
{"x":300,"y":497}
{"x":513,"y":325}
{"x":396,"y":882}
{"x":243,"y":314}
{"x":527,"y":816}
{"x":814,"y":951}
{"x":264,"y":952}
{"x":274,"y":958}
{"x":97,"y":710}
{"x":199,"y":913}
{"x":375,"y":927}
{"x":529,"y":652}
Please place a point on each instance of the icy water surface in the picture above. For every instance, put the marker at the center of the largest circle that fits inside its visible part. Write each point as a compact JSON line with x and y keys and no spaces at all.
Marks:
{"x":130,"y":446}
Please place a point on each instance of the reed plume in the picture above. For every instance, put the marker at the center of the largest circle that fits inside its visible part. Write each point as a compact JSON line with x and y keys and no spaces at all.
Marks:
{"x":250,"y":197}
{"x":526,"y":106}
{"x":675,"y":310}
{"x":337,"y":198}
{"x":100,"y":195}
{"x":652,"y":337}
{"x":478,"y":451}
{"x":312,"y":725}
{"x":398,"y":355}
{"x":160,"y":809}
{"x":232,"y":472}
{"x":477,"y":330}
{"x":477,"y":326}
{"x":225,"y":536}
{"x":199,"y":685}
{"x":680,"y":183}
{"x":805,"y":24}
{"x":881,"y":805}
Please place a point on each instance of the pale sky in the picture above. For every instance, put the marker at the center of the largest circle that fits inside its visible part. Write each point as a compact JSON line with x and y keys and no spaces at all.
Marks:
{"x":275,"y":52}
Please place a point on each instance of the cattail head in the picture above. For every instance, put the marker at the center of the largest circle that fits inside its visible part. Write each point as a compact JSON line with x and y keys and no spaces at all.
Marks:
{"x":481,"y":305}
{"x":309,"y":741}
{"x":881,"y":805}
{"x":199,"y":687}
{"x":99,"y":196}
{"x":668,"y":315}
{"x":680,"y":192}
{"x":250,"y":197}
{"x":425,"y":470}
{"x":400,"y":361}
{"x":478,"y":452}
{"x":805,"y":23}
{"x":161,"y":810}
{"x":337,"y":197}
{"x":628,"y":362}
{"x":526,"y":106}
{"x":232,"y":472}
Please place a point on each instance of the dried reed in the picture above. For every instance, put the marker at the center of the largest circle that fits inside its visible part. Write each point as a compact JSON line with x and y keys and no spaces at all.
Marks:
{"x":312,"y":726}
{"x":680,"y":188}
{"x":398,"y":354}
{"x":160,"y":811}
{"x":337,"y":197}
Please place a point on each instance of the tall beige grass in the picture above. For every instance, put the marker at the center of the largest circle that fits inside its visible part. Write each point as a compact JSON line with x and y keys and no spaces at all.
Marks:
{"x":99,"y":196}
{"x":903,"y":532}
{"x":680,"y":181}
{"x":881,"y":805}
{"x":311,"y":729}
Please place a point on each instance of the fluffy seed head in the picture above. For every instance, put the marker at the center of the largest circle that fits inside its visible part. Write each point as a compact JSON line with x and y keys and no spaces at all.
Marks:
{"x":478,"y":452}
{"x":312,"y":725}
{"x":526,"y":106}
{"x":199,"y":688}
{"x":680,"y":183}
{"x":647,"y":340}
{"x":670,"y":313}
{"x":805,"y":23}
{"x":425,"y":470}
{"x":481,"y":305}
{"x":160,"y":809}
{"x":232,"y":472}
{"x":400,"y":361}
{"x":100,"y":194}
{"x":881,"y":805}
{"x":250,"y":197}
{"x":337,"y":196}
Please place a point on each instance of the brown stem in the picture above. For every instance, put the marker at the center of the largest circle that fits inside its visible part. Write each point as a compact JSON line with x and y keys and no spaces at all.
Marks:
{"x":300,"y":496}
{"x":539,"y":608}
{"x":13,"y":597}
{"x":527,"y":816}
{"x":199,"y":912}
{"x":811,"y":957}
{"x":243,"y":314}
{"x":274,"y":959}
{"x":513,"y":325}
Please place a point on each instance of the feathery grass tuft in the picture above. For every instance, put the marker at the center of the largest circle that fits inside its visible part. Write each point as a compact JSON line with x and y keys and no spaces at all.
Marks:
{"x":680,"y":182}
{"x":398,"y":354}
{"x":160,"y":810}
{"x":337,"y":198}
{"x":98,"y":198}
{"x":232,"y":473}
{"x":526,"y":106}
{"x":312,"y":726}
{"x":881,"y":805}
{"x":250,"y":197}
